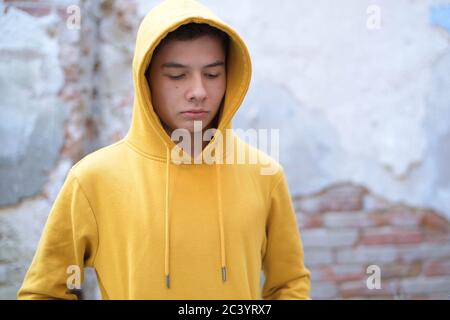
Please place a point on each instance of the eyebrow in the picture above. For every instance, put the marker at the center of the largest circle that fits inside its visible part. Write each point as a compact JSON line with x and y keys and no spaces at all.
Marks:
{"x":179,"y":65}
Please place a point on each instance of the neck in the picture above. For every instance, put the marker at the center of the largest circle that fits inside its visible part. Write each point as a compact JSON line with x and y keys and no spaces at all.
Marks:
{"x":194,"y":135}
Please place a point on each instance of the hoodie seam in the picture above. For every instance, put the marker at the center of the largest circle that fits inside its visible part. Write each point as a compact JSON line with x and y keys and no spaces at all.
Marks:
{"x":278,"y":181}
{"x":276,"y":184}
{"x":93,"y":215}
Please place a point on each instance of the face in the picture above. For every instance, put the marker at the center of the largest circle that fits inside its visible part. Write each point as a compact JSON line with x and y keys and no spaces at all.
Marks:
{"x":187,"y":80}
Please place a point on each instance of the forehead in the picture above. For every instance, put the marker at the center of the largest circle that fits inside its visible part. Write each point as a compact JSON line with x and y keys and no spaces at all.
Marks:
{"x":204,"y":48}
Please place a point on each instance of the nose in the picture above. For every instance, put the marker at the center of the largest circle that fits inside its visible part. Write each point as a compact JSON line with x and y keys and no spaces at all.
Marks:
{"x":197,"y":91}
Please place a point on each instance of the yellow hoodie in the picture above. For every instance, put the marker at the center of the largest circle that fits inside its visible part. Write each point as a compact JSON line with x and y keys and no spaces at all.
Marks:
{"x":153,"y":229}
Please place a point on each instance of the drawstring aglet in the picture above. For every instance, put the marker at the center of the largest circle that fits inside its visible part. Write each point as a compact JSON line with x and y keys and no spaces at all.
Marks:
{"x":168,"y":281}
{"x":224,"y":274}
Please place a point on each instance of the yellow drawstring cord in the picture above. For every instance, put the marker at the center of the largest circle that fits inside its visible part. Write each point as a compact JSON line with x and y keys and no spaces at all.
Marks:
{"x":222,"y":236}
{"x":167,"y":233}
{"x":167,"y":248}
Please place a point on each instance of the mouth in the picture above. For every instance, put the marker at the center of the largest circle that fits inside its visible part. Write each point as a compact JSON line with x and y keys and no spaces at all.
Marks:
{"x":194,"y":114}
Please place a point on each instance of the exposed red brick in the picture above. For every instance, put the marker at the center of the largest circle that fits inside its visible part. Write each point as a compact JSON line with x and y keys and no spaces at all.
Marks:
{"x":437,"y":268}
{"x":352,"y":219}
{"x":401,"y":270}
{"x":436,"y":236}
{"x":343,"y":197}
{"x":396,"y":215}
{"x":342,"y":276}
{"x":71,"y":73}
{"x":432,"y":221}
{"x":91,"y":128}
{"x":69,"y":93}
{"x":403,"y":216}
{"x":35,"y":11}
{"x":355,"y":289}
{"x":379,"y":218}
{"x":309,"y":221}
{"x":390,"y":236}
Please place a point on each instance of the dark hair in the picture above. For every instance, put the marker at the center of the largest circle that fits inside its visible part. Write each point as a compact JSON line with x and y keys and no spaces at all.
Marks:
{"x":192,"y":31}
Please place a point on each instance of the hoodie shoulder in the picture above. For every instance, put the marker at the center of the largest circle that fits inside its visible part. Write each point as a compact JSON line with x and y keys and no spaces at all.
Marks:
{"x":259,"y":160}
{"x":102,"y":160}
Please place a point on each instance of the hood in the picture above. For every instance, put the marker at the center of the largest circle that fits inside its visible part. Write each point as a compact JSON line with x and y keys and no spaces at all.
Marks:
{"x":146,"y":133}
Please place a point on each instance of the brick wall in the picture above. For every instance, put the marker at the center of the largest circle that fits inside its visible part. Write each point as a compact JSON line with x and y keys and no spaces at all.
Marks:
{"x":345,"y":229}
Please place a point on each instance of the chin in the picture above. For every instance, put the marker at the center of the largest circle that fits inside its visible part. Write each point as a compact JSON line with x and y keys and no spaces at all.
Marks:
{"x":190,"y":126}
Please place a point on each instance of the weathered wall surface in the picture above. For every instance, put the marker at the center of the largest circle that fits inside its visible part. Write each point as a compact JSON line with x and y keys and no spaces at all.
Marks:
{"x":358,"y":90}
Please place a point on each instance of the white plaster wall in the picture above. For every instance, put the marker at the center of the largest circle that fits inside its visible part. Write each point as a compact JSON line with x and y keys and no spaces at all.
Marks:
{"x":353,"y":103}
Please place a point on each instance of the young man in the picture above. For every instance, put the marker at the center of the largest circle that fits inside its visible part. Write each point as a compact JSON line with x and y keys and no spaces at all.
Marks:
{"x":156,"y":228}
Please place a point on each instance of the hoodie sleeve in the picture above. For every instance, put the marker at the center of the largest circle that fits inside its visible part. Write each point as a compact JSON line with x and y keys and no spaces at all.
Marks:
{"x":68,"y":243}
{"x":286,"y":276}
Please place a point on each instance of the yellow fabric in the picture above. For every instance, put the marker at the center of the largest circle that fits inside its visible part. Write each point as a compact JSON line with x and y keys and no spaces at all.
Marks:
{"x":153,"y":229}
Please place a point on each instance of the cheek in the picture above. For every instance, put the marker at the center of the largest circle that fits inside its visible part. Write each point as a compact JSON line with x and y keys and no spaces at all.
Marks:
{"x":162,"y":98}
{"x":170,"y":92}
{"x":218,"y":90}
{"x":172,"y":89}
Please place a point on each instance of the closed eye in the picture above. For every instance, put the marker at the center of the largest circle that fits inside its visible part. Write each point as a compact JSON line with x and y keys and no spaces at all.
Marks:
{"x":212,"y":76}
{"x":176,"y":77}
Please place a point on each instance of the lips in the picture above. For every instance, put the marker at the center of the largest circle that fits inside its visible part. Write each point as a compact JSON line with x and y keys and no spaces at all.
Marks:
{"x":194,"y":114}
